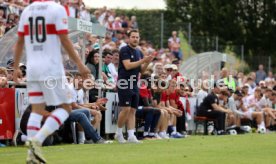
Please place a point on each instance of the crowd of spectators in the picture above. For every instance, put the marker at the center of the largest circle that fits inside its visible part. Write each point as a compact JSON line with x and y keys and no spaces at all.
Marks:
{"x":160,"y":106}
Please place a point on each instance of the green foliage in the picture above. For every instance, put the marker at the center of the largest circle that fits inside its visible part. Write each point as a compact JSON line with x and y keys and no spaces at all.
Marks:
{"x":251,"y":23}
{"x":149,"y":22}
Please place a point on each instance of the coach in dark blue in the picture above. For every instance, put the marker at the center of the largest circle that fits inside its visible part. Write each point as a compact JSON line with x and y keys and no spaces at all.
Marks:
{"x":131,"y":63}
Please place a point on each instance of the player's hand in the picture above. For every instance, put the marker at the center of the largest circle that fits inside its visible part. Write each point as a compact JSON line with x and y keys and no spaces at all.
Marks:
{"x":84,"y":71}
{"x":148,"y":58}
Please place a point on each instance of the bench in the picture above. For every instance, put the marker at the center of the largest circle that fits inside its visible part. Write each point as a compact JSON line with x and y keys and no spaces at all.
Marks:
{"x":205,"y":121}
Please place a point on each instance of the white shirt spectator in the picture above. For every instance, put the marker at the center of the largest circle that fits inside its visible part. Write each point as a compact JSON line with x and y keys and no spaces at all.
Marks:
{"x":113,"y":71}
{"x":233,"y":107}
{"x":85,"y":15}
{"x":200,"y":96}
{"x":79,"y":96}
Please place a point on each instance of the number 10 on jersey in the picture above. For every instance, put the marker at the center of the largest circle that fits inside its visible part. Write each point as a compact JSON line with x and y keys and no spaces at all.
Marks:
{"x":37,"y":29}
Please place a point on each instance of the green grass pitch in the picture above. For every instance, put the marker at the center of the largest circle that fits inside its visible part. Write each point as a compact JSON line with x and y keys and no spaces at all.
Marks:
{"x":248,"y":148}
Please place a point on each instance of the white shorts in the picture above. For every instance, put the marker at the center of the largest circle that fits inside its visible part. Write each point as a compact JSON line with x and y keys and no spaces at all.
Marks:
{"x":248,"y":114}
{"x":53,"y":94}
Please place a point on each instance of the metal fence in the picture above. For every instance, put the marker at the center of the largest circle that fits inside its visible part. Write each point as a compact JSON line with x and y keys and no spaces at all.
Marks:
{"x":159,"y":30}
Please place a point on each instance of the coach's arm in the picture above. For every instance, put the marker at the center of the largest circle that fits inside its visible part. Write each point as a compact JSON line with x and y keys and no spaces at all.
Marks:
{"x":131,"y":65}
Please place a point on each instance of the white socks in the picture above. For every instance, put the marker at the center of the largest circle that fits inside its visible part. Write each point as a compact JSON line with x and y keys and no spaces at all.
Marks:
{"x":262,"y":124}
{"x":81,"y":137}
{"x":130,"y":133}
{"x":52,"y":123}
{"x":24,"y":138}
{"x":119,"y":131}
{"x":174,"y":129}
{"x":146,"y":134}
{"x":34,"y":124}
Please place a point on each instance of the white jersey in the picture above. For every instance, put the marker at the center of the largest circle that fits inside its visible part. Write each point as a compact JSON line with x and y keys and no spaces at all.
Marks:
{"x":40,"y":24}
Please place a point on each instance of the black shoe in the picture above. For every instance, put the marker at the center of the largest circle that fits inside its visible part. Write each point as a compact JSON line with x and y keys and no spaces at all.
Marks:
{"x":240,"y":131}
{"x":222,"y":132}
{"x":16,"y":140}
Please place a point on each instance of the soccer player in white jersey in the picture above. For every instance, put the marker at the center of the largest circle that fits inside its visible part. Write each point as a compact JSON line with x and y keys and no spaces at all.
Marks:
{"x":43,"y":28}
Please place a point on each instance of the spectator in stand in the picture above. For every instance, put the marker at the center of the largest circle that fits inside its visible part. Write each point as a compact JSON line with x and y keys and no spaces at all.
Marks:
{"x":113,"y":66}
{"x":251,"y":85}
{"x":107,"y":58}
{"x":228,"y":80}
{"x":84,"y":13}
{"x":2,"y":26}
{"x":125,"y":23}
{"x":95,"y":16}
{"x":235,"y":104}
{"x":260,"y":74}
{"x":2,"y":13}
{"x":169,"y":100}
{"x":202,"y":93}
{"x":270,"y":77}
{"x":168,"y":69}
{"x":157,"y":70}
{"x":117,"y":25}
{"x":133,"y":23}
{"x":92,"y":62}
{"x":11,"y":22}
{"x":175,"y":73}
{"x":3,"y":77}
{"x":174,"y":45}
{"x":145,"y":110}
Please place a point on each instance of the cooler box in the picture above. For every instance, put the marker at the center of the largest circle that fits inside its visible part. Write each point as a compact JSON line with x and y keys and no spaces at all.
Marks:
{"x":7,"y":113}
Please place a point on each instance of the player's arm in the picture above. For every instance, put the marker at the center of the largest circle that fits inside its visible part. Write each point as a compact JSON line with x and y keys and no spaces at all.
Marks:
{"x":62,"y":30}
{"x":18,"y":51}
{"x":67,"y":44}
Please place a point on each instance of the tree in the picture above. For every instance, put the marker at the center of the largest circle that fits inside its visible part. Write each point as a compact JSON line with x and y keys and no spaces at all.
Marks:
{"x":248,"y":22}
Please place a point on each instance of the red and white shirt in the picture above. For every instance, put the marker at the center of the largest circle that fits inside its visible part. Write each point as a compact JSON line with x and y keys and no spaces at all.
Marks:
{"x":40,"y":24}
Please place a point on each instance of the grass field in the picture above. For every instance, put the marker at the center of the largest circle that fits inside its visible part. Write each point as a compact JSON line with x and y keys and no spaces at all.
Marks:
{"x":249,"y":148}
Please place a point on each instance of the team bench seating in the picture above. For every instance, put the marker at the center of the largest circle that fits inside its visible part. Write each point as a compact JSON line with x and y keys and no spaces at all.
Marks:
{"x":205,"y":121}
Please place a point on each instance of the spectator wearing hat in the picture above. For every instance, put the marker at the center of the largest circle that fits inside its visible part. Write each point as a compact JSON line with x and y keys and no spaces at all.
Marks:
{"x":175,"y":73}
{"x":168,"y":69}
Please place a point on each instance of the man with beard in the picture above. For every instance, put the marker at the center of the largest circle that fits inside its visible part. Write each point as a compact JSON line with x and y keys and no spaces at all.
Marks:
{"x":131,"y":63}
